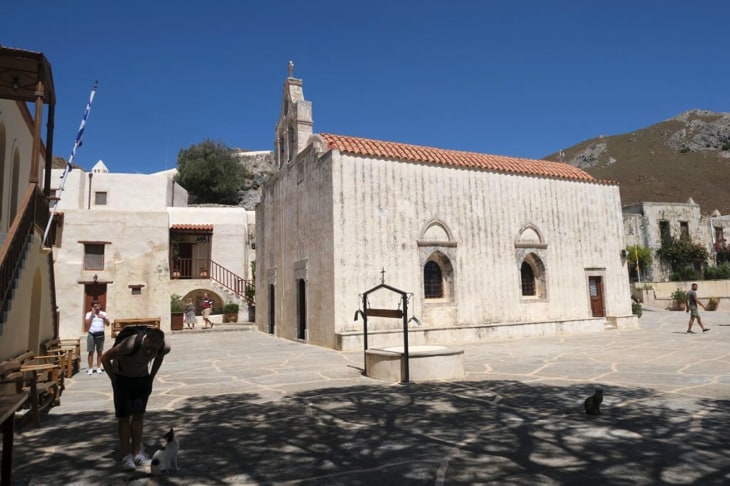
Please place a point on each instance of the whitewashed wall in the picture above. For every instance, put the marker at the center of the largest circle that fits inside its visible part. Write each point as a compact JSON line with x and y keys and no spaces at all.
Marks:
{"x":387,"y":205}
{"x":339,"y":221}
{"x":17,"y":140}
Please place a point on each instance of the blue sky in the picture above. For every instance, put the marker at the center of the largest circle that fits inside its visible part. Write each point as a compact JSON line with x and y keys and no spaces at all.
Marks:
{"x":524,"y":78}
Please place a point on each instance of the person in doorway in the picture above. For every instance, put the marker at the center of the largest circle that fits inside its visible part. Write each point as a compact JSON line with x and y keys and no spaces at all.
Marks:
{"x":207,"y":309}
{"x":190,"y":314}
{"x":127,"y":364}
{"x":94,"y":322}
{"x":692,"y":303}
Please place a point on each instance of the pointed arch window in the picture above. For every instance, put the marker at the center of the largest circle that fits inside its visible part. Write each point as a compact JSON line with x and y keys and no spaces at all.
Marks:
{"x":532,"y":277}
{"x":433,"y":282}
{"x":528,"y":280}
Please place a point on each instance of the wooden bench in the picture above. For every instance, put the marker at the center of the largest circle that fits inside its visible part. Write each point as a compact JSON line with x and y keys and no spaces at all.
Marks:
{"x":11,"y":378}
{"x":73,"y":345}
{"x":43,"y":379}
{"x":69,"y":351}
{"x":120,"y":324}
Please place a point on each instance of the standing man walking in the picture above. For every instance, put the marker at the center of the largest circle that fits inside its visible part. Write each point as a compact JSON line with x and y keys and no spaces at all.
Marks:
{"x":94,"y":323}
{"x":692,"y":303}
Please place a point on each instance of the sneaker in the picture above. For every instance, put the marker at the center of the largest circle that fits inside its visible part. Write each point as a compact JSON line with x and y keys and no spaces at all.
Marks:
{"x":100,"y":370}
{"x":142,"y":459}
{"x":690,"y":332}
{"x":706,"y":329}
{"x":128,"y":463}
{"x":90,"y":371}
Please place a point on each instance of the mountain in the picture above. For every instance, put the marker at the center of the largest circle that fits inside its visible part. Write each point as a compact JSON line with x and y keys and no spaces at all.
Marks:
{"x":671,"y":161}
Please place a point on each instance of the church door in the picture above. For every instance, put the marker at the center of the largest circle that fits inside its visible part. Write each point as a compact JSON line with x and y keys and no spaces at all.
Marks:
{"x":595,"y":289}
{"x":272,"y":315}
{"x":301,"y":310}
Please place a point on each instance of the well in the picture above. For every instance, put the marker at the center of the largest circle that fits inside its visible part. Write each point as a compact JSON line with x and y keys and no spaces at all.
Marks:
{"x":426,"y":363}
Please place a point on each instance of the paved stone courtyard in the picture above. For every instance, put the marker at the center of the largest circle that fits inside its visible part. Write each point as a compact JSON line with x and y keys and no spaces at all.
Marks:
{"x":252,"y":409}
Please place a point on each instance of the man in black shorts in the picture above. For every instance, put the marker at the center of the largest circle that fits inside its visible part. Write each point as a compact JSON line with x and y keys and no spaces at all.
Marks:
{"x":127,"y":365}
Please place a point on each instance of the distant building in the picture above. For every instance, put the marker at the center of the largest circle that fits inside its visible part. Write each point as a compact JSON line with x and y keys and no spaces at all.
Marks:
{"x":648,"y":224}
{"x":130,"y":241}
{"x":487,"y":246}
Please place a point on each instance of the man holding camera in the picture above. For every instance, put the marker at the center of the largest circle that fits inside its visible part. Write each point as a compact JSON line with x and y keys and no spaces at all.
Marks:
{"x":94,"y":323}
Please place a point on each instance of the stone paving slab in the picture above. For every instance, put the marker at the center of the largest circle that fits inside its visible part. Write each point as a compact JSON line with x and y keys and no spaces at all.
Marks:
{"x":253,"y":409}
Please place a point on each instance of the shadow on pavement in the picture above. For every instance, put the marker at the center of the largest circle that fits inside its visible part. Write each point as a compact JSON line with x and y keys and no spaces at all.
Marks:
{"x":502,"y":432}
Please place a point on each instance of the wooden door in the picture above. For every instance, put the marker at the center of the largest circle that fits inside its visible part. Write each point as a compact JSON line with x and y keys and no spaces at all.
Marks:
{"x":93,"y":292}
{"x":595,"y":290}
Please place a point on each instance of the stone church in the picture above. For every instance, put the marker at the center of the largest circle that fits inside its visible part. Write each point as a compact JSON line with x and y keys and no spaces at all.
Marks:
{"x":483,"y":246}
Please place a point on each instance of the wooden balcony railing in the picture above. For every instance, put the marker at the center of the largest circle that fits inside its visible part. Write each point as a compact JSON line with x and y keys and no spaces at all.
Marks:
{"x":199,"y":268}
{"x":32,"y":216}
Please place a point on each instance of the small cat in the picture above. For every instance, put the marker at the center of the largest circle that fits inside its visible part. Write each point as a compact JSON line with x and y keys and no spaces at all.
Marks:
{"x":593,"y":402}
{"x":165,"y":459}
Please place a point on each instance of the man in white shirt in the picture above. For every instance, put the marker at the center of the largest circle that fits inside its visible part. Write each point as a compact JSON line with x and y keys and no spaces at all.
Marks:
{"x":94,"y":323}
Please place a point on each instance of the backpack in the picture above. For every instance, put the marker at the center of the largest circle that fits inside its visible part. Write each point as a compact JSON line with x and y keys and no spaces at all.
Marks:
{"x":127,"y":331}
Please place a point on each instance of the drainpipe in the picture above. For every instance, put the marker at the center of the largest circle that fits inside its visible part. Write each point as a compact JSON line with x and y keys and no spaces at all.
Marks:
{"x":91,"y":174}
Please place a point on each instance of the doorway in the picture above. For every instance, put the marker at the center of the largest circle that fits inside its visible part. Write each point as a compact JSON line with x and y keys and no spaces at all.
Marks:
{"x":272,"y":311}
{"x":595,"y":291}
{"x":301,"y":309}
{"x":93,"y":292}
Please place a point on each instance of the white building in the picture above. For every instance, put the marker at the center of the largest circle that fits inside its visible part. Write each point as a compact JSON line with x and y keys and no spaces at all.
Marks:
{"x":130,"y":241}
{"x":487,"y":245}
{"x":27,"y":294}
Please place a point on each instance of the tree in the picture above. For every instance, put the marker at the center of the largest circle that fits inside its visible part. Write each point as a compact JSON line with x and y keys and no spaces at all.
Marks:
{"x":211,"y":173}
{"x":644,"y":256}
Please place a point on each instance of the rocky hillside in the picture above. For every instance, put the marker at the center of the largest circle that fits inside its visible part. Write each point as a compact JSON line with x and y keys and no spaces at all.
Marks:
{"x":671,"y":161}
{"x":261,"y":166}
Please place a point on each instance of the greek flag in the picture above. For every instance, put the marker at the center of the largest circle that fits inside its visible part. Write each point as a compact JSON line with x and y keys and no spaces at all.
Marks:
{"x":80,"y":136}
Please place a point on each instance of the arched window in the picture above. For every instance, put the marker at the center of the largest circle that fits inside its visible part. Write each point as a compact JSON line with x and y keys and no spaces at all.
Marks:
{"x":532,"y":277}
{"x":433,"y":282}
{"x":528,"y":279}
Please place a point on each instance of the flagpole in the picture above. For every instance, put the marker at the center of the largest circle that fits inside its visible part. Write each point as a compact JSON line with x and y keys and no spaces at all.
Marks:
{"x":77,"y":143}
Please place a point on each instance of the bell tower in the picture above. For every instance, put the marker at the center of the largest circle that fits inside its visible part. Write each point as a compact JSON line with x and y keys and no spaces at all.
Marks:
{"x":295,"y":121}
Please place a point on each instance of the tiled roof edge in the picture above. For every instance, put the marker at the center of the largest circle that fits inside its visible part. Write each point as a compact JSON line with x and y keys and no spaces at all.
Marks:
{"x":457,"y":158}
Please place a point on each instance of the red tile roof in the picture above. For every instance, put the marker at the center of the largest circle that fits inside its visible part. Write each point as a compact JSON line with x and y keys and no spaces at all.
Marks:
{"x":455,"y":158}
{"x":193,"y":227}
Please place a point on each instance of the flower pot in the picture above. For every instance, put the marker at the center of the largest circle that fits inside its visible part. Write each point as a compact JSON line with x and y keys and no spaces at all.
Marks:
{"x":231,"y":316}
{"x":176,"y":321}
{"x":677,"y":305}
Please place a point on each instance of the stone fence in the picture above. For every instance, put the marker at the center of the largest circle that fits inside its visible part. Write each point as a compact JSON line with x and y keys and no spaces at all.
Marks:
{"x":659,"y":294}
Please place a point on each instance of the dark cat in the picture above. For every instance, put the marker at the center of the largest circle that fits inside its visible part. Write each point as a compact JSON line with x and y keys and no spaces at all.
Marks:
{"x":593,"y":402}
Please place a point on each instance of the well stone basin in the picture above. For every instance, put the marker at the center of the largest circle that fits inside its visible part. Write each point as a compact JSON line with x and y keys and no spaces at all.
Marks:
{"x":426,"y":363}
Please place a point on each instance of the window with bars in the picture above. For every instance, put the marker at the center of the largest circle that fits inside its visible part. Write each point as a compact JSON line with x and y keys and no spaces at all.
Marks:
{"x":528,"y":280}
{"x":433,"y":283}
{"x":93,"y":256}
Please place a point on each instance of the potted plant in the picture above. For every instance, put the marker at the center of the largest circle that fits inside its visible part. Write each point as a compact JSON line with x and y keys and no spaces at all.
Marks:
{"x":230,"y":312}
{"x":176,"y":312}
{"x":679,"y":299}
{"x":712,"y":303}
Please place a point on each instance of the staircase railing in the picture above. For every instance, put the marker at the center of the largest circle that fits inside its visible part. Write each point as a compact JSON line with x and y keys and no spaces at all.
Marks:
{"x":33,"y":213}
{"x":244,"y":289}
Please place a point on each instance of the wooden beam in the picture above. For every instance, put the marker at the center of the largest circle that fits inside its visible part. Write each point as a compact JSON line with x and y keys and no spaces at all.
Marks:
{"x":397,"y":313}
